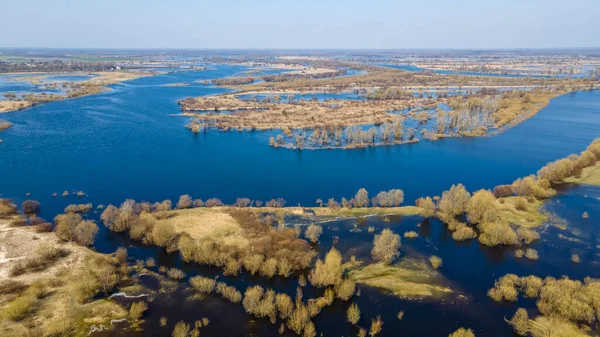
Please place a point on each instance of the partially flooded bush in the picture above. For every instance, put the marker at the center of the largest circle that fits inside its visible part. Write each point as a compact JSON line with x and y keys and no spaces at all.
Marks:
{"x":520,"y":322}
{"x":527,"y":235}
{"x":353,"y":314}
{"x":462,"y":332}
{"x":427,"y":204}
{"x":495,"y":234}
{"x":284,"y":305}
{"x":71,"y":227}
{"x":85,"y":233}
{"x":502,"y":191}
{"x":345,"y":289}
{"x":313,"y":307}
{"x":328,"y":272}
{"x":185,"y":201}
{"x":109,"y":215}
{"x":376,"y":326}
{"x":313,"y":232}
{"x":30,"y":207}
{"x":258,"y":303}
{"x":463,"y":232}
{"x":505,"y":289}
{"x":137,"y":309}
{"x":204,"y":285}
{"x":252,"y":263}
{"x":531,"y":254}
{"x":454,"y":201}
{"x":186,"y":247}
{"x":519,"y":253}
{"x":435,"y":261}
{"x":182,"y":329}
{"x":232,"y":267}
{"x":575,"y":258}
{"x":284,"y":267}
{"x":269,"y":268}
{"x":298,"y":319}
{"x":164,"y":235}
{"x":558,"y":170}
{"x":230,"y":293}
{"x":530,"y":286}
{"x":176,"y":274}
{"x":482,"y":207}
{"x":533,"y":186}
{"x":121,"y":255}
{"x":385,"y":246}
{"x":79,"y":208}
{"x":65,"y":225}
{"x":309,"y":330}
{"x":411,"y":235}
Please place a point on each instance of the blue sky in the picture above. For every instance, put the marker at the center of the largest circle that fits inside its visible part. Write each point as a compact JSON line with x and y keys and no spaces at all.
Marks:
{"x":319,"y":24}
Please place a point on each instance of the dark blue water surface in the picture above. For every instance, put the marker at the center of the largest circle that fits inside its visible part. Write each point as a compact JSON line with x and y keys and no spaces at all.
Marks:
{"x":125,"y":144}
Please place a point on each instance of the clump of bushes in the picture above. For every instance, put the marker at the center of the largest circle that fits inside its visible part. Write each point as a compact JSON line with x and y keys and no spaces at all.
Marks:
{"x":531,"y":254}
{"x":284,"y":305}
{"x":345,"y":289}
{"x":564,"y":299}
{"x":462,"y":332}
{"x":385,"y":246}
{"x":30,"y":207}
{"x":427,"y":204}
{"x":527,"y":235}
{"x":71,"y":227}
{"x":353,"y":314}
{"x":176,"y":274}
{"x":481,"y":207}
{"x":463,"y":232}
{"x":494,"y":234}
{"x":520,"y":322}
{"x":313,"y":232}
{"x":505,"y":289}
{"x":230,"y":293}
{"x":327,"y":272}
{"x":435,"y":261}
{"x":454,"y":201}
{"x":204,"y":285}
{"x":137,"y":309}
{"x":411,"y":235}
{"x":78,"y":208}
{"x":7,"y":208}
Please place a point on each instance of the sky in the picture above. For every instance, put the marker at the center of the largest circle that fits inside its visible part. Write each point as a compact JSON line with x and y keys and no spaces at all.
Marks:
{"x":306,"y":24}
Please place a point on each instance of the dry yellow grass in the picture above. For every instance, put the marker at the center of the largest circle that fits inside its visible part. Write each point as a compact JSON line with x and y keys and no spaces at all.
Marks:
{"x":589,"y":176}
{"x":212,"y":223}
{"x":530,"y":217}
{"x":7,"y":106}
{"x":111,"y":77}
{"x":54,"y":309}
{"x":408,"y":279}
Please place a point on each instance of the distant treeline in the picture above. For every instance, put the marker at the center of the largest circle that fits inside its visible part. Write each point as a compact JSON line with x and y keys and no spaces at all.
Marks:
{"x":54,"y":66}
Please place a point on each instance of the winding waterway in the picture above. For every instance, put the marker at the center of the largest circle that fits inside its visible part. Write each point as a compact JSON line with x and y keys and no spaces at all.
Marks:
{"x":125,"y":144}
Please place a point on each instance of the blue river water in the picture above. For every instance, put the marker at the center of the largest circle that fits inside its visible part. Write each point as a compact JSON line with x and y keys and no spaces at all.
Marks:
{"x":124,"y":143}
